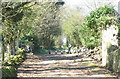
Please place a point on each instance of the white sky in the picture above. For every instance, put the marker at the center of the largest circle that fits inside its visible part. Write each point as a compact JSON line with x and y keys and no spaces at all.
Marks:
{"x":84,"y":4}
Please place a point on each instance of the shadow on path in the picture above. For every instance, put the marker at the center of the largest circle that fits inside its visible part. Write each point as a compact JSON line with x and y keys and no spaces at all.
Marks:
{"x":61,"y":66}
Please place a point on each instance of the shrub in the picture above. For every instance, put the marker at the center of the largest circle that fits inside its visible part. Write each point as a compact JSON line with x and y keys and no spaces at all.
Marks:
{"x":8,"y":72}
{"x":15,"y":60}
{"x":98,"y":19}
{"x":9,"y":65}
{"x":20,"y":51}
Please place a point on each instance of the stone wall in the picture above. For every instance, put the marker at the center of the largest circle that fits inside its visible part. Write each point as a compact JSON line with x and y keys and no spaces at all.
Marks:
{"x":114,"y":60}
{"x":110,"y":48}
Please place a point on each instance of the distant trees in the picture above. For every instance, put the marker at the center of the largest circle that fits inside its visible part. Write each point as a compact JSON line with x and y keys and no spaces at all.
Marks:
{"x":72,"y":22}
{"x":47,"y":23}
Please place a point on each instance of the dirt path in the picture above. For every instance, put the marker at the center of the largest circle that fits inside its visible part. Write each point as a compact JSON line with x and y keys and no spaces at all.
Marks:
{"x":61,"y":66}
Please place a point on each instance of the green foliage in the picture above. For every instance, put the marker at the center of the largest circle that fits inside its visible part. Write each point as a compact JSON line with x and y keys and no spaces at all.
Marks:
{"x":11,"y":11}
{"x":88,"y":34}
{"x":31,"y":23}
{"x":12,"y":14}
{"x":8,"y":72}
{"x":94,"y":23}
{"x":12,"y":22}
{"x":15,"y":60}
{"x":47,"y":24}
{"x":20,"y":51}
{"x":88,"y":37}
{"x":71,"y":25}
{"x":100,"y":17}
{"x":41,"y":51}
{"x":31,"y":40}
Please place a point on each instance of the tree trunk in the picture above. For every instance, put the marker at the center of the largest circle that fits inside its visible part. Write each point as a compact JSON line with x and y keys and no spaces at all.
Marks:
{"x":17,"y":44}
{"x":3,"y":50}
{"x":14,"y":47}
{"x":9,"y":49}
